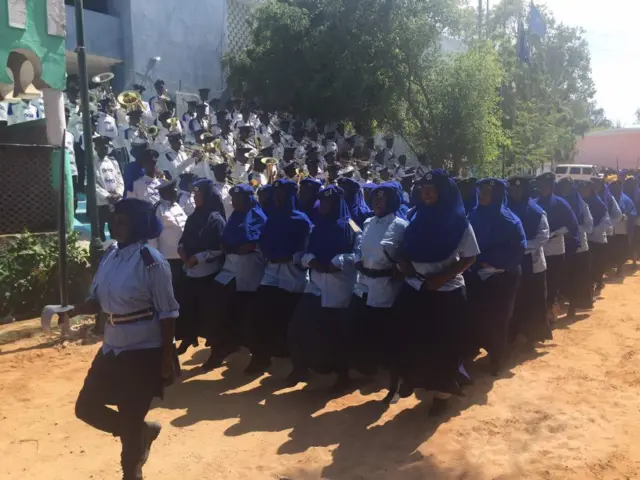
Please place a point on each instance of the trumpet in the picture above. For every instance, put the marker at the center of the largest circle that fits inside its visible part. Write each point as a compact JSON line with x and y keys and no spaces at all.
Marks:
{"x":130,"y":100}
{"x":152,"y":132}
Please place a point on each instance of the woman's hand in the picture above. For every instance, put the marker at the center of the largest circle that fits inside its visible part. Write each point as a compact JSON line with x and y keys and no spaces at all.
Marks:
{"x":192,"y":262}
{"x":168,"y":368}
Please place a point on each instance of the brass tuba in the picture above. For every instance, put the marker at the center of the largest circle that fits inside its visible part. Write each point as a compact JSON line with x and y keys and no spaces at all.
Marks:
{"x":152,"y":132}
{"x":130,"y":100}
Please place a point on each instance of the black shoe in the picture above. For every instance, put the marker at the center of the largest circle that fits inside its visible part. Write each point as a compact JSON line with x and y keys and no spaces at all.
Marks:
{"x":214,"y":361}
{"x":405,"y":390}
{"x":571,"y":313}
{"x":438,"y":407}
{"x":149,"y":435}
{"x":342,"y":383}
{"x":297,"y":376}
{"x":257,"y":365}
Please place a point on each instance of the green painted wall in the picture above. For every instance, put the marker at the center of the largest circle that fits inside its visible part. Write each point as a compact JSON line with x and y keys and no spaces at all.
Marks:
{"x":50,"y":49}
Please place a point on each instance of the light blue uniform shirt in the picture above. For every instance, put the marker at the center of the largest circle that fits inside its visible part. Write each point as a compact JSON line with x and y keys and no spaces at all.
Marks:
{"x":335,"y":289}
{"x":291,"y":276}
{"x":123,"y":285}
{"x":248,"y":271}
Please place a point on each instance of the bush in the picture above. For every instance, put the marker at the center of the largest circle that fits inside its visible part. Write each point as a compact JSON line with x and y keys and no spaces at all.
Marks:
{"x":29,"y":273}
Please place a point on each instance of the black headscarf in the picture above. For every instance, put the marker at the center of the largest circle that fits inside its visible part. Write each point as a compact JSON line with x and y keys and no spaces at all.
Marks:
{"x":203,"y":230}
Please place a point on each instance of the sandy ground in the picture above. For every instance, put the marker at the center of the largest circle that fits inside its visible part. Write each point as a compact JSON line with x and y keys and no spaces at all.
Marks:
{"x":571,"y":409}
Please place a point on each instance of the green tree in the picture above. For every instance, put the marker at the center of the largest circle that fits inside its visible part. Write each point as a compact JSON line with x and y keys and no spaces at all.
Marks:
{"x":376,"y":62}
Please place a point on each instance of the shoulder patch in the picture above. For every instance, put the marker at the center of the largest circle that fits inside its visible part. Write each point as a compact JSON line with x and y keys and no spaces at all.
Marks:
{"x":354,"y":226}
{"x":147,"y":257}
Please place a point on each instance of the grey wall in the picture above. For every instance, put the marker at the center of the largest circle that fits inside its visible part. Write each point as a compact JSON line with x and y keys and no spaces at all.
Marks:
{"x":187,"y":34}
{"x":103,"y":33}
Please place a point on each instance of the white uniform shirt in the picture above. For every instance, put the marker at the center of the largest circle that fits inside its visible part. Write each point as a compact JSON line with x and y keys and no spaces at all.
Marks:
{"x":69,"y":140}
{"x":468,"y":247}
{"x":22,"y":112}
{"x":175,"y":163}
{"x":599,"y":232}
{"x":224,"y":189}
{"x":335,"y":289}
{"x":173,"y":220}
{"x":585,"y":228}
{"x":246,"y":269}
{"x":106,"y":126}
{"x":615,"y":214}
{"x":4,"y":112}
{"x":555,"y":246}
{"x":145,"y":188}
{"x":186,"y":201}
{"x":202,"y":169}
{"x":381,"y":239}
{"x":287,"y":276}
{"x":535,"y":246}
{"x":109,"y":179}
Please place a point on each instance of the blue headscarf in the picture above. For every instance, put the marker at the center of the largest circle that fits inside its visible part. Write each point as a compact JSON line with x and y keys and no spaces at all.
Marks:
{"x":471,"y":202}
{"x":572,"y":198}
{"x":244,"y":227}
{"x":394,"y":199}
{"x":436,"y":230}
{"x":358,"y":208}
{"x":331,"y":234}
{"x":560,"y":214}
{"x":287,"y":229}
{"x":630,"y":188}
{"x":203,"y":229}
{"x":404,"y":206}
{"x":596,"y":205}
{"x":526,"y":209}
{"x":143,"y":222}
{"x":498,"y":230}
{"x":626,"y":204}
{"x":604,"y":194}
{"x":310,"y":206}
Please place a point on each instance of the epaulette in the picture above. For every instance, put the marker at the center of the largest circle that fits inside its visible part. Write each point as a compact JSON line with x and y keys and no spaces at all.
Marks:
{"x":147,"y":258}
{"x":354,"y":226}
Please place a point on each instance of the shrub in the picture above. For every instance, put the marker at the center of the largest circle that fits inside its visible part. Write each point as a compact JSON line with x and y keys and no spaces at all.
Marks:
{"x":29,"y":273}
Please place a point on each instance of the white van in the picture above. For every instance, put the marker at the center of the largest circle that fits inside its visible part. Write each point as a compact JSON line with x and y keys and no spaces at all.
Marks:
{"x":576,"y":172}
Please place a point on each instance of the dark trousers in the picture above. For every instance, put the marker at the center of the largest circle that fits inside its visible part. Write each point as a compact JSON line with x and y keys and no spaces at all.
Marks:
{"x":103,"y":218}
{"x":76,"y":186}
{"x":81,"y":164}
{"x":129,"y":381}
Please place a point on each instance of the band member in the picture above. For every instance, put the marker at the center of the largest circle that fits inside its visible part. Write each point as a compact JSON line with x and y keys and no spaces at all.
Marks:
{"x":201,"y":123}
{"x":189,"y":115}
{"x":147,"y":116}
{"x":221,"y":172}
{"x":136,"y":361}
{"x":175,"y":162}
{"x":146,"y":187}
{"x":185,"y":192}
{"x":109,"y":182}
{"x":598,"y":237}
{"x":158,"y":102}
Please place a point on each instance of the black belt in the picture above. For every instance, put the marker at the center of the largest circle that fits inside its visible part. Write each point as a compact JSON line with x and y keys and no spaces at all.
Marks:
{"x":372,"y":273}
{"x":116,"y":319}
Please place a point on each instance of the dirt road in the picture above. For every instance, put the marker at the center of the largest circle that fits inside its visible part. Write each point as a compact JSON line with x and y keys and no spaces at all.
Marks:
{"x":569,"y":410}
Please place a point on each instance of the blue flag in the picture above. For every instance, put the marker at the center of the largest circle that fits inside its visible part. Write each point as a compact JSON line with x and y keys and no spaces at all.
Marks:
{"x":522,"y":46}
{"x":537,"y":25}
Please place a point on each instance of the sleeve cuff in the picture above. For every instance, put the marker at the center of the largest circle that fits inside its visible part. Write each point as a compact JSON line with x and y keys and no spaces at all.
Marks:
{"x":172,"y":314}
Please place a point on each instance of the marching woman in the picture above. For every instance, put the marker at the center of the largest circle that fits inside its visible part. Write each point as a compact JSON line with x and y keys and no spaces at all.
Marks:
{"x":495,"y":277}
{"x":431,"y":319}
{"x":265,"y":198}
{"x":563,"y":237}
{"x":136,"y":361}
{"x":235,"y":286}
{"x":577,"y":284}
{"x":200,"y":250}
{"x":469,"y":191}
{"x":379,"y":281}
{"x":283,"y":242}
{"x":598,"y":237}
{"x":530,"y":310}
{"x":358,"y":208}
{"x":630,"y":189}
{"x":320,"y":328}
{"x":308,"y":196}
{"x":622,"y":230}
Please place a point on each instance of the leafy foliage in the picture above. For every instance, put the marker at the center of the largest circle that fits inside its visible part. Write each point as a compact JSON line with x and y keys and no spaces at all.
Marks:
{"x":29,"y":273}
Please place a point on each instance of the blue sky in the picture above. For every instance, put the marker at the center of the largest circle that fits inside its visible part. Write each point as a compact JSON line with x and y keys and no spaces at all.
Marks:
{"x":614,"y":41}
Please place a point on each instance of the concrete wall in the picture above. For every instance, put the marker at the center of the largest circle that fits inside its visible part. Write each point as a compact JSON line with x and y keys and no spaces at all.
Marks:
{"x":103,"y":33}
{"x":188,"y":35}
{"x":604,"y":147}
